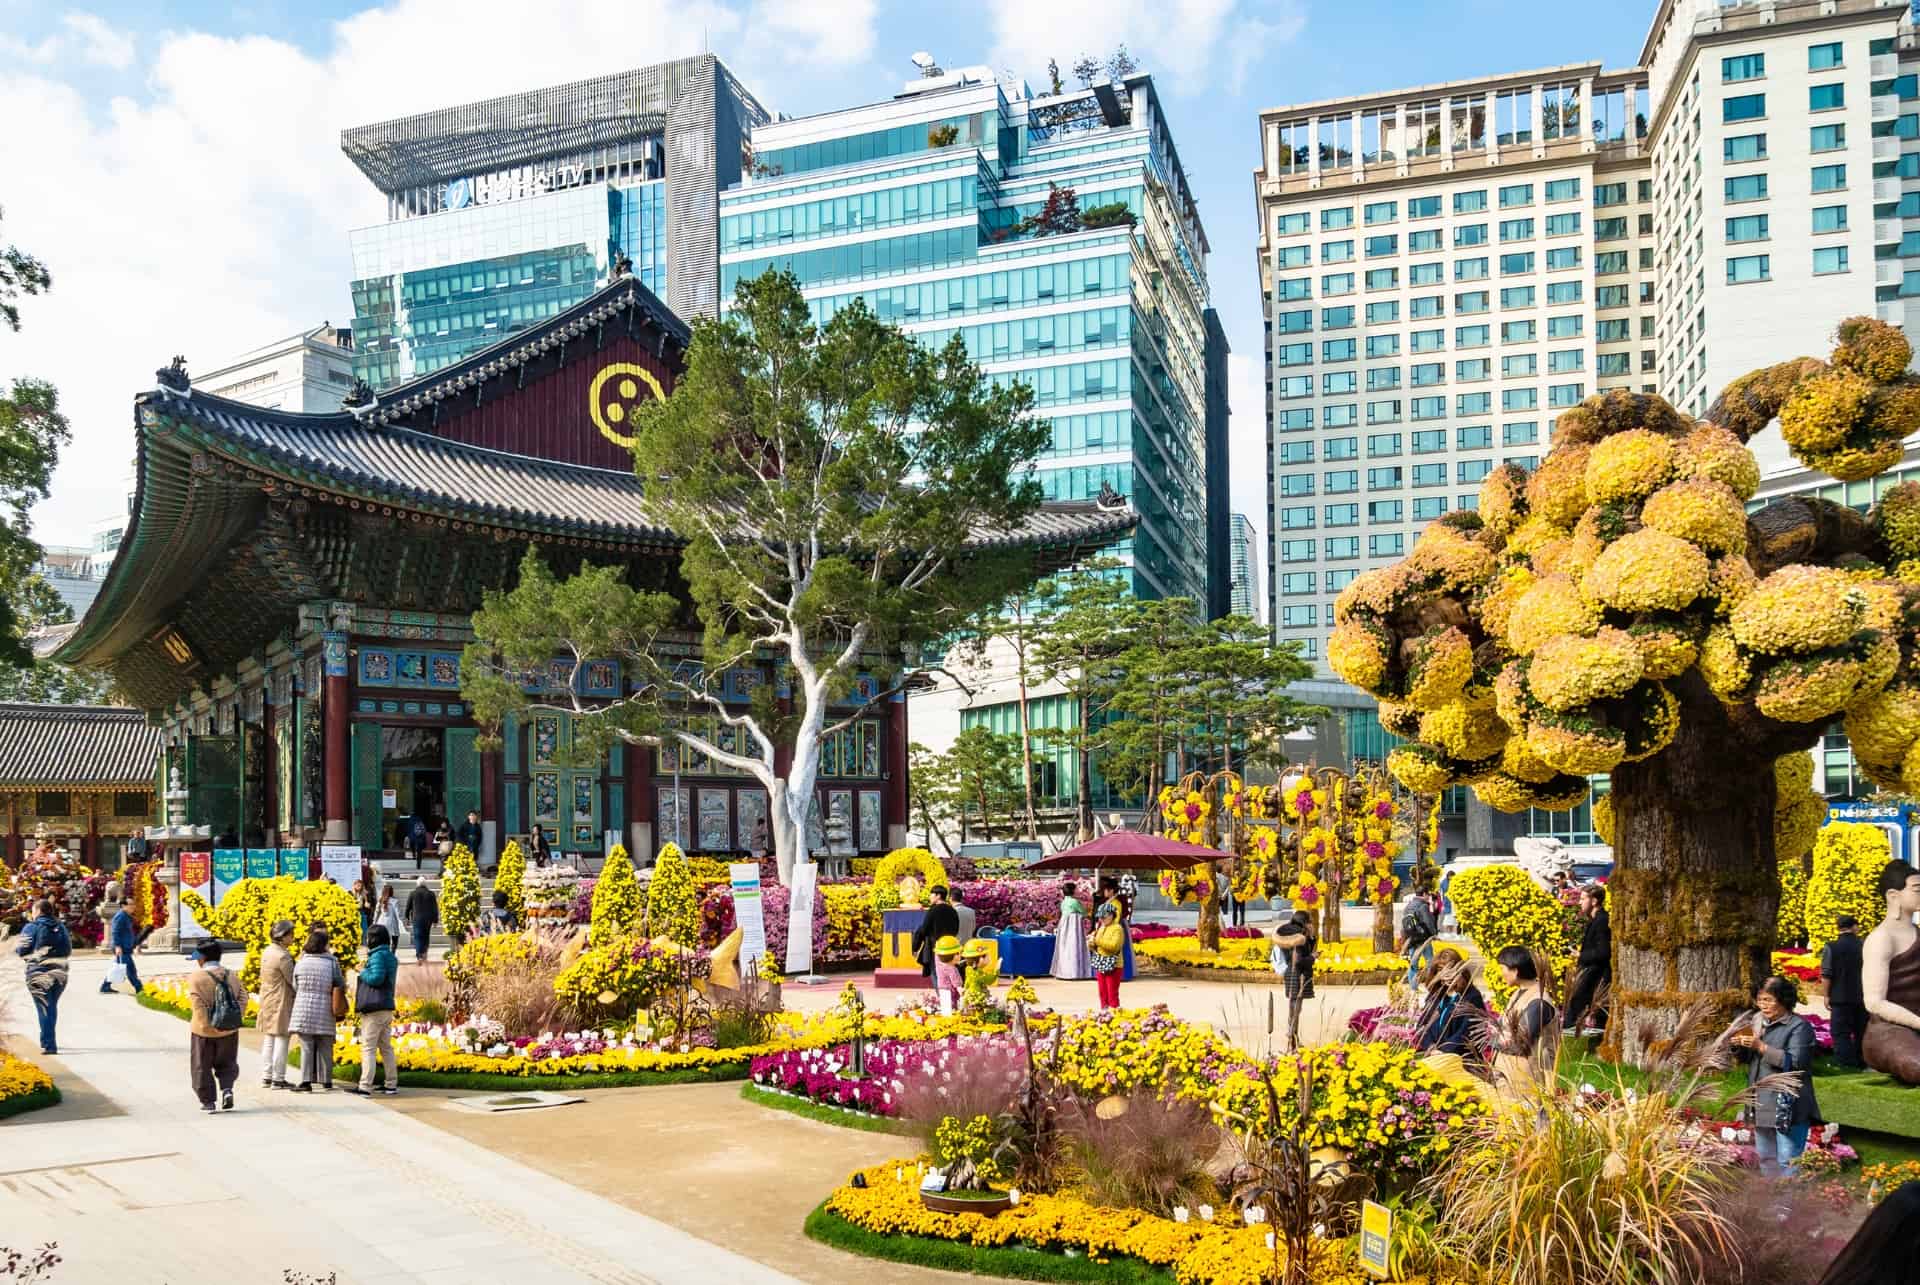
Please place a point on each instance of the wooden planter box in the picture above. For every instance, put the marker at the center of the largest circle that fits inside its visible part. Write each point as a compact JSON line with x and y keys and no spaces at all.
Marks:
{"x":980,"y":1202}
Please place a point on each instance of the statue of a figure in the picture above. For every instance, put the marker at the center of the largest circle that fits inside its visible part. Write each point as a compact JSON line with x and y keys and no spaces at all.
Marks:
{"x":1890,"y":979}
{"x":1543,"y":858}
{"x":910,"y":892}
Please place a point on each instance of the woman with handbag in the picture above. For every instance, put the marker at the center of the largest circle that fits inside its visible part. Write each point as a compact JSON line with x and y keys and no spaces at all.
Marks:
{"x":373,"y":1000}
{"x":319,"y":1002}
{"x":1296,"y":940}
{"x":1108,"y":945}
{"x":386,"y":912}
{"x":1777,"y":1047}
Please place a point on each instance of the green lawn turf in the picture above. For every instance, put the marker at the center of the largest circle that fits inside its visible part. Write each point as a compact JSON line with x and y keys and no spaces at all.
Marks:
{"x":1867,"y":1100}
{"x":1009,"y":1262}
{"x":862,"y":1120}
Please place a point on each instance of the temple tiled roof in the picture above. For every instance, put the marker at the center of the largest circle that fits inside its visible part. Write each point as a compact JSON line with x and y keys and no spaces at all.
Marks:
{"x":76,"y":746}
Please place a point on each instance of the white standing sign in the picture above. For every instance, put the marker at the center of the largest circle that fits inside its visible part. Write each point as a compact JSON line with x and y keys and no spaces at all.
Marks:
{"x":800,"y":919}
{"x":340,"y":862}
{"x":749,"y":914}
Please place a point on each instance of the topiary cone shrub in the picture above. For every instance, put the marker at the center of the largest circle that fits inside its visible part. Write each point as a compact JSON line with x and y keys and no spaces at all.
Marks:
{"x":673,"y":903}
{"x":460,"y":893}
{"x":509,"y":877}
{"x":1618,"y":611}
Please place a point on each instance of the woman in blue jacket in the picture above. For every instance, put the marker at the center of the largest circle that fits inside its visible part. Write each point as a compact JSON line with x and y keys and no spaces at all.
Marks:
{"x":373,"y":997}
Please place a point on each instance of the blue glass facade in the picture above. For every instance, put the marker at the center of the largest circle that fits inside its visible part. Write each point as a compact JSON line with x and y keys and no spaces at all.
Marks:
{"x":920,"y":207}
{"x":428,"y":291}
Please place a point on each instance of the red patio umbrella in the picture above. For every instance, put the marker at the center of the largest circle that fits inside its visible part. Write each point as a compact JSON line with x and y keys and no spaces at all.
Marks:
{"x":1127,"y":850}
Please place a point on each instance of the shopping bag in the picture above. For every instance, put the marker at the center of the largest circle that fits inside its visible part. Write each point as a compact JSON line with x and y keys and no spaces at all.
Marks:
{"x":116,"y":972}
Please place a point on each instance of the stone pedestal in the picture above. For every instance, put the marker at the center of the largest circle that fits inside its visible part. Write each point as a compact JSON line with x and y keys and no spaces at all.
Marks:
{"x":167,"y":936}
{"x":898,"y":968}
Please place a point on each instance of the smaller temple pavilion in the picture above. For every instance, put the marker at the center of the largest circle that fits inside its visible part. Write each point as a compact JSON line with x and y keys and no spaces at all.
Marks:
{"x":82,"y":776}
{"x":293,"y":593}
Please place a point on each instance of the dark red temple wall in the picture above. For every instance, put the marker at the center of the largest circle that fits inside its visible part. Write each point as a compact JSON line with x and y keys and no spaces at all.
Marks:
{"x":553,"y":415}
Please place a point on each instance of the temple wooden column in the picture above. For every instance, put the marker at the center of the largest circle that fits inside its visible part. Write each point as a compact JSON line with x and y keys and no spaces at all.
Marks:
{"x":90,"y":846}
{"x":893,"y":796}
{"x":642,"y":803}
{"x":337,"y":740}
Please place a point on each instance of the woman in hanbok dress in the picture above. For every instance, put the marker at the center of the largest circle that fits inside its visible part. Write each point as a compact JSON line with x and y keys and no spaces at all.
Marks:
{"x":1071,"y":959}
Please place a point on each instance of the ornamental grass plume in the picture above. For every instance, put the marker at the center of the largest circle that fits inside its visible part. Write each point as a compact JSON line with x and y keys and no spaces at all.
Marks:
{"x":1567,"y":1186}
{"x":522,"y":997}
{"x":1143,"y":1151}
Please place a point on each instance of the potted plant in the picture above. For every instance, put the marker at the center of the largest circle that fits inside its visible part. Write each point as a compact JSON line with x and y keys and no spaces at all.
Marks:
{"x":967,"y":1155}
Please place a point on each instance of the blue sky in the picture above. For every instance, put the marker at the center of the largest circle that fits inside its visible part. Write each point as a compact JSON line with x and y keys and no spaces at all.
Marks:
{"x":181,"y":172}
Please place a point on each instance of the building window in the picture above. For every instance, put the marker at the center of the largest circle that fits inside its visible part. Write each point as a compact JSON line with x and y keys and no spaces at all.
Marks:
{"x":1383,"y":346}
{"x":1336,"y":283}
{"x":1829,"y":178}
{"x":1296,"y":551}
{"x":1606,"y":194}
{"x":1425,"y":242}
{"x":1753,"y":267}
{"x":1470,"y":471}
{"x":1830,"y":258}
{"x":1745,"y":147}
{"x":1293,"y":355}
{"x":1383,"y":444}
{"x":1336,"y":318}
{"x":1425,"y":307}
{"x":1563,"y":224}
{"x":1343,"y":515}
{"x":1340,"y":415}
{"x":1470,"y":202}
{"x":1381,"y":512}
{"x":1343,"y":481}
{"x":1295,"y":453}
{"x":1293,"y":256}
{"x":1383,"y":278}
{"x":1565,"y":361}
{"x":1343,"y":546}
{"x":1297,"y":616}
{"x":1427,"y":274}
{"x":1743,"y":107}
{"x":1516,"y":229}
{"x":1292,"y":323}
{"x":1384,"y":479}
{"x":1338,"y":217}
{"x":1517,"y":332}
{"x":1383,"y":212}
{"x":1519,"y":366}
{"x":1513,"y":116}
{"x":1294,"y":386}
{"x":1472,"y":404}
{"x":1429,"y":340}
{"x":1423,"y":207}
{"x":1342,"y":448}
{"x":1379,"y":380}
{"x":1426,"y":374}
{"x":1517,"y":297}
{"x":1386,"y":546}
{"x":1293,"y":289}
{"x":1614,"y":363}
{"x":1298,"y":519}
{"x":1476,"y":438}
{"x":1827,"y":138}
{"x":1338,"y":383}
{"x":1824,"y":57}
{"x":1472,"y":336}
{"x":1336,"y":251}
{"x":1520,"y":399}
{"x":1470,"y":234}
{"x":1292,"y":484}
{"x":1746,"y":187}
{"x":1525,"y":433}
{"x":1380,"y":314}
{"x":1608,"y":262}
{"x":1829,"y":218}
{"x":1516,"y":195}
{"x":1427,"y":508}
{"x":1515,"y":264}
{"x":1473,"y":368}
{"x":1565,"y":394}
{"x":1470,"y":302}
{"x":1337,"y":350}
{"x":1748,"y":227}
{"x":1826,"y":98}
{"x":1563,"y":189}
{"x":1567,"y":256}
{"x":1470,"y":269}
{"x":1294,"y":583}
{"x":1565,"y":291}
{"x":1290,"y":224}
{"x":1429,"y":440}
{"x":1742,"y":67}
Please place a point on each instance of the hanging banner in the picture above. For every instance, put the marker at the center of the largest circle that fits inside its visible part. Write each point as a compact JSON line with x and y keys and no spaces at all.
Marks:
{"x":340,"y":862}
{"x":196,"y":873}
{"x":262,"y":863}
{"x":293,"y":863}
{"x":229,"y":868}
{"x":800,"y":919}
{"x":749,"y":914}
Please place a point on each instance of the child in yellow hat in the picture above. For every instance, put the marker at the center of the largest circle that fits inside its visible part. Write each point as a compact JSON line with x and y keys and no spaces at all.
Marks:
{"x":946,"y":969}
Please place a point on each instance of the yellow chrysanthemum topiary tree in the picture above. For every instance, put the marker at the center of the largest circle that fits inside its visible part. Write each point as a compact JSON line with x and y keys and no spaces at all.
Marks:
{"x":1797,"y":814}
{"x":510,"y":877}
{"x":1500,"y":906}
{"x":251,"y":907}
{"x":1847,"y":860}
{"x":460,"y":893}
{"x":616,"y":907}
{"x":1618,"y":611}
{"x":673,"y":906}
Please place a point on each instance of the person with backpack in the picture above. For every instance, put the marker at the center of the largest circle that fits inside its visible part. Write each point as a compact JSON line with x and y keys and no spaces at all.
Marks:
{"x":373,"y":1000}
{"x":319,"y":1001}
{"x":46,"y":946}
{"x":219,"y":1003}
{"x":1419,"y":926}
{"x":423,"y":911}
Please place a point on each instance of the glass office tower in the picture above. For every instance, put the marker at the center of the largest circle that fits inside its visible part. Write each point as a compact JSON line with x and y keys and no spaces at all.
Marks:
{"x":505,"y":212}
{"x":933,"y":208}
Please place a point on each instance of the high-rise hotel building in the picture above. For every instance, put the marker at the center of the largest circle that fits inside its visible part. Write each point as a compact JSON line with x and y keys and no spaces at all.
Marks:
{"x":924,"y":206}
{"x":1444,"y":269}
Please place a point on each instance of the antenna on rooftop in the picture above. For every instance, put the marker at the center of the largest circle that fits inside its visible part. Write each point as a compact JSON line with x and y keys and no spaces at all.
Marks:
{"x":928,"y":67}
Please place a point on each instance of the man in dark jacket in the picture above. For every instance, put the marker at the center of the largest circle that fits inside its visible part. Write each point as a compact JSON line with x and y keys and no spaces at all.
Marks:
{"x":423,"y":911}
{"x":122,"y":936}
{"x":941,"y":920}
{"x":1846,"y":1002}
{"x":46,"y":946}
{"x":468,"y":834}
{"x":1594,"y":968}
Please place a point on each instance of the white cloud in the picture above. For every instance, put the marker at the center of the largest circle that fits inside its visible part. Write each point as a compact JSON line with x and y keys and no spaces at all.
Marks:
{"x":1185,"y":44}
{"x":209,"y":214}
{"x":100,"y":44}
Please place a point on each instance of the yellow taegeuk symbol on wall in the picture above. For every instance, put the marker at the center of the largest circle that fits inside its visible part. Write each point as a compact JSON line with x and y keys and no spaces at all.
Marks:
{"x":615,"y":397}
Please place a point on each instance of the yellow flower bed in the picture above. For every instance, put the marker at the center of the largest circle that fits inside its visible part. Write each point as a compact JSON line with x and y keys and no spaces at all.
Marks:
{"x":1224,"y":1251}
{"x":1249,"y":954}
{"x":170,"y":993}
{"x":19,"y":1077}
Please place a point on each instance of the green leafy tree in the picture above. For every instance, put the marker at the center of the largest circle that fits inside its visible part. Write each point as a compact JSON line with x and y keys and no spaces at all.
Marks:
{"x":43,"y":682}
{"x":32,"y":431}
{"x":985,"y":770}
{"x":824,"y":479}
{"x":1079,"y":650}
{"x":930,"y":793}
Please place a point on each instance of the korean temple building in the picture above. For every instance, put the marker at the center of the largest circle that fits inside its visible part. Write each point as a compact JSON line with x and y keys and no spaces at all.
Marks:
{"x":292,"y":595}
{"x":80,"y":777}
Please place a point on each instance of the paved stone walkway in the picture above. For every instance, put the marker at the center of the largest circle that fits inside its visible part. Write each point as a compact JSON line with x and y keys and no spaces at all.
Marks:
{"x":316,"y":1184}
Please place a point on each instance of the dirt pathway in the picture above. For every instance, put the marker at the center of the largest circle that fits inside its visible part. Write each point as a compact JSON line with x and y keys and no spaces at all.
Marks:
{"x":697,"y":1157}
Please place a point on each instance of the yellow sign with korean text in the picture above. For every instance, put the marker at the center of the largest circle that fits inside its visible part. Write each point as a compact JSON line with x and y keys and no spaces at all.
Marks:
{"x":1376,"y":1237}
